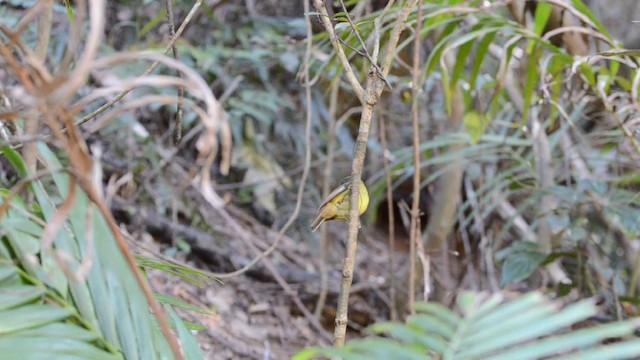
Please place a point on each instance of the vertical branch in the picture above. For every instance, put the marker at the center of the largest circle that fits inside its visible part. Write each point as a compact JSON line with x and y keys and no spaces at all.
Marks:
{"x":447,"y":195}
{"x":415,"y":87}
{"x":30,"y":150}
{"x":446,"y":199}
{"x":177,"y":134}
{"x":411,"y":280}
{"x":390,"y":209}
{"x":326,"y":188}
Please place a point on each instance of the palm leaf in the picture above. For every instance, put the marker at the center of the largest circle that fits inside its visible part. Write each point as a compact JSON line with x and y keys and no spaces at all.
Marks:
{"x":103,"y":314}
{"x":529,"y":327}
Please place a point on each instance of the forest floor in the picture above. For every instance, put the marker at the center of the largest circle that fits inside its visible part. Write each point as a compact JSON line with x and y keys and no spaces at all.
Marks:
{"x":255,"y":317}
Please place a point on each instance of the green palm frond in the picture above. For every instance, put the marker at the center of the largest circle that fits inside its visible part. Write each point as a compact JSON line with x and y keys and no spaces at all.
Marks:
{"x":529,"y":327}
{"x":50,"y":306}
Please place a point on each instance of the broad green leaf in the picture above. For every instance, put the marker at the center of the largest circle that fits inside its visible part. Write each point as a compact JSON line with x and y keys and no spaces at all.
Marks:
{"x":11,"y":296}
{"x":61,"y":330}
{"x":6,"y":273}
{"x":23,"y":243}
{"x":24,"y":225}
{"x":627,"y":350}
{"x":533,"y":329}
{"x":519,"y":266}
{"x":439,"y":311}
{"x":38,"y":348}
{"x":478,"y":336}
{"x":575,"y":340}
{"x":408,"y":334}
{"x":476,"y":124}
{"x":387,"y":349}
{"x":507,"y":310}
{"x":30,"y":316}
{"x":525,"y":328}
{"x":430,"y":323}
{"x":112,"y":287}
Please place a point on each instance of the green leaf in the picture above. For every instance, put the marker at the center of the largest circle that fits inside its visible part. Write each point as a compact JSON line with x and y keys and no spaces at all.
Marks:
{"x":190,"y":346}
{"x":436,"y":53}
{"x":587,"y":71}
{"x":401,"y":332}
{"x":476,"y":124}
{"x":520,"y":266}
{"x":6,"y":273}
{"x":157,"y":20}
{"x":627,"y":350}
{"x":531,"y":81}
{"x":37,"y":348}
{"x":542,"y":14}
{"x":181,"y":304}
{"x":438,"y":311}
{"x":481,"y":52}
{"x":580,"y":6}
{"x":16,"y":161}
{"x":61,"y":330}
{"x":430,"y":323}
{"x":11,"y":296}
{"x":523,"y":327}
{"x":30,"y":316}
{"x":578,"y":339}
{"x":387,"y":349}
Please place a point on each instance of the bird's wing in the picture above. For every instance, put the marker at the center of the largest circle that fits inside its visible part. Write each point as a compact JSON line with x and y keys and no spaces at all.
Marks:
{"x":336,"y":192}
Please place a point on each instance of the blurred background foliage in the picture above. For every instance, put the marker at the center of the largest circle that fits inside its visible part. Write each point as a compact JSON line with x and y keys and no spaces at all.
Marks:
{"x":547,"y":147}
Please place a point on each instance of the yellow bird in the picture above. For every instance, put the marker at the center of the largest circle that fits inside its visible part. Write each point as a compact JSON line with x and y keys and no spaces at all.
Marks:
{"x":336,"y":205}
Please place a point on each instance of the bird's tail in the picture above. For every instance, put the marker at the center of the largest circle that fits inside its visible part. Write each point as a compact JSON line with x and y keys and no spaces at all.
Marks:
{"x":317,"y":222}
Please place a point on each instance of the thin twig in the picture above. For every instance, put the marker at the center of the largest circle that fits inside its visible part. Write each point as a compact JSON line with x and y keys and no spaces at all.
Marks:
{"x":415,"y":89}
{"x":364,"y":53}
{"x":326,"y":188}
{"x":31,"y":121}
{"x":390,"y":209}
{"x":342,"y":57}
{"x":177,"y":135}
